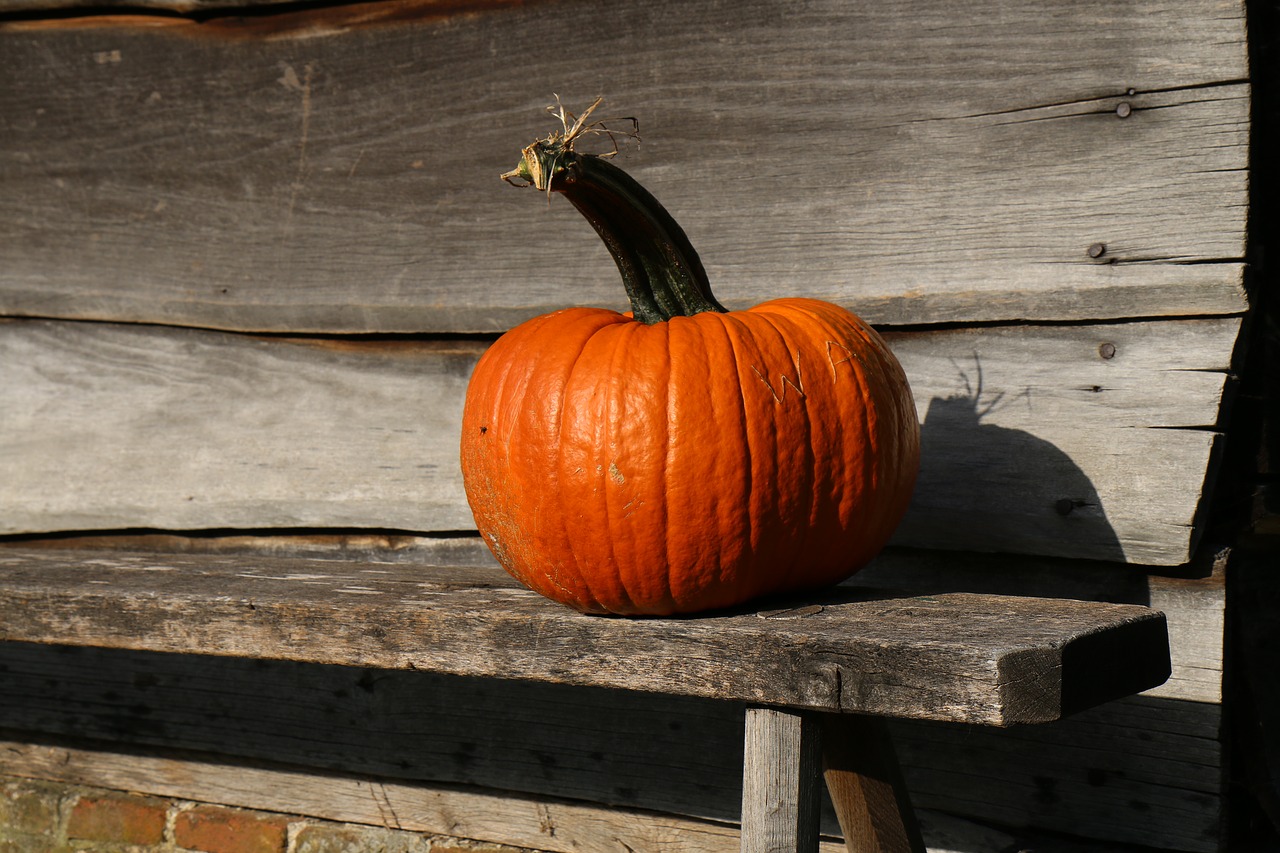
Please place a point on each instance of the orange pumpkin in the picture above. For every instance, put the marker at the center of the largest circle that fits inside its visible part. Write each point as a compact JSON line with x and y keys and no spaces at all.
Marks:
{"x":682,"y":458}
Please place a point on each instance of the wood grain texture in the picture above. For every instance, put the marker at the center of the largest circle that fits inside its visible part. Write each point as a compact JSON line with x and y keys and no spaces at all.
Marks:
{"x":1194,"y":605}
{"x":868,"y":792}
{"x":1149,"y":772}
{"x":1012,"y":778}
{"x":1034,"y":441}
{"x":314,"y":171}
{"x":115,"y":427}
{"x":362,"y":801}
{"x":961,"y":657}
{"x":781,"y":768}
{"x":532,"y":822}
{"x":545,"y":823}
{"x":112,"y":427}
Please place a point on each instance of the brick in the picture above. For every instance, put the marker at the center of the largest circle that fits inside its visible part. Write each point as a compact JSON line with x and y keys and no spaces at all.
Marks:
{"x":212,"y":829}
{"x":117,"y":817}
{"x":29,"y":806}
{"x":337,"y":838}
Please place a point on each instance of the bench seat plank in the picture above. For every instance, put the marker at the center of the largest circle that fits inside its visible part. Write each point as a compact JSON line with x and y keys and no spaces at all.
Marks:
{"x":992,"y":660}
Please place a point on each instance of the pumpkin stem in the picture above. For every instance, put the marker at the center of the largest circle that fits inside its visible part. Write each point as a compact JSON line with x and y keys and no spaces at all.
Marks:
{"x":661,"y":272}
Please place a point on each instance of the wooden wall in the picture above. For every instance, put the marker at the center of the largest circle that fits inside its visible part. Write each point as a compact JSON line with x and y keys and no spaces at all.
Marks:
{"x":249,"y":257}
{"x":187,"y":429}
{"x":335,"y":170}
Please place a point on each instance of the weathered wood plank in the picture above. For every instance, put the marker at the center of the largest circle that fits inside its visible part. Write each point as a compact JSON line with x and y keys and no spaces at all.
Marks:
{"x":548,"y":824}
{"x":188,"y":430}
{"x":314,"y":172}
{"x":1070,"y":441}
{"x":598,"y":745}
{"x":868,"y":793}
{"x":781,"y":768}
{"x":946,"y":834}
{"x":632,"y":750}
{"x":605,"y":746}
{"x":1119,"y":770}
{"x":1194,"y":606}
{"x":538,"y":823}
{"x":961,"y":657}
{"x":113,"y":427}
{"x":1111,"y":791}
{"x":1129,"y":771}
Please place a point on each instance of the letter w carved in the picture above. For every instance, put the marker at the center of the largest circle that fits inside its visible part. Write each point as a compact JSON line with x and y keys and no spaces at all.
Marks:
{"x":784,"y":382}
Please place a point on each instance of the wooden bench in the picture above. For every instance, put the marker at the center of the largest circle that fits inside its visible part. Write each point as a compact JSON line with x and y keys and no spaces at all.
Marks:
{"x":241,"y":303}
{"x":819,"y":675}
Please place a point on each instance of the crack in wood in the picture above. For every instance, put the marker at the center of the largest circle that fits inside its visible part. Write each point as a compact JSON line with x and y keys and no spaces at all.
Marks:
{"x":382,"y":801}
{"x":1128,"y":93}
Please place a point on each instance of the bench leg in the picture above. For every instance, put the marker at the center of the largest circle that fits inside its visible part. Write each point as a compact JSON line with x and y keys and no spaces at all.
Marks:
{"x":782,"y":762}
{"x":785,"y":754}
{"x":866,"y":786}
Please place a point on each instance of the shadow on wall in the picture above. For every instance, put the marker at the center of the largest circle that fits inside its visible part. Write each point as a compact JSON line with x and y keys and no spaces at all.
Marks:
{"x":989,"y":488}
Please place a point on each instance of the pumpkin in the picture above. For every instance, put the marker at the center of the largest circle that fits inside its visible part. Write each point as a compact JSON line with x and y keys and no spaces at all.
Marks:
{"x":682,"y":457}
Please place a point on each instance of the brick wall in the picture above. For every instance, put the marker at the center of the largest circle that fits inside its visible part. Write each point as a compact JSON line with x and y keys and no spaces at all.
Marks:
{"x":47,"y":817}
